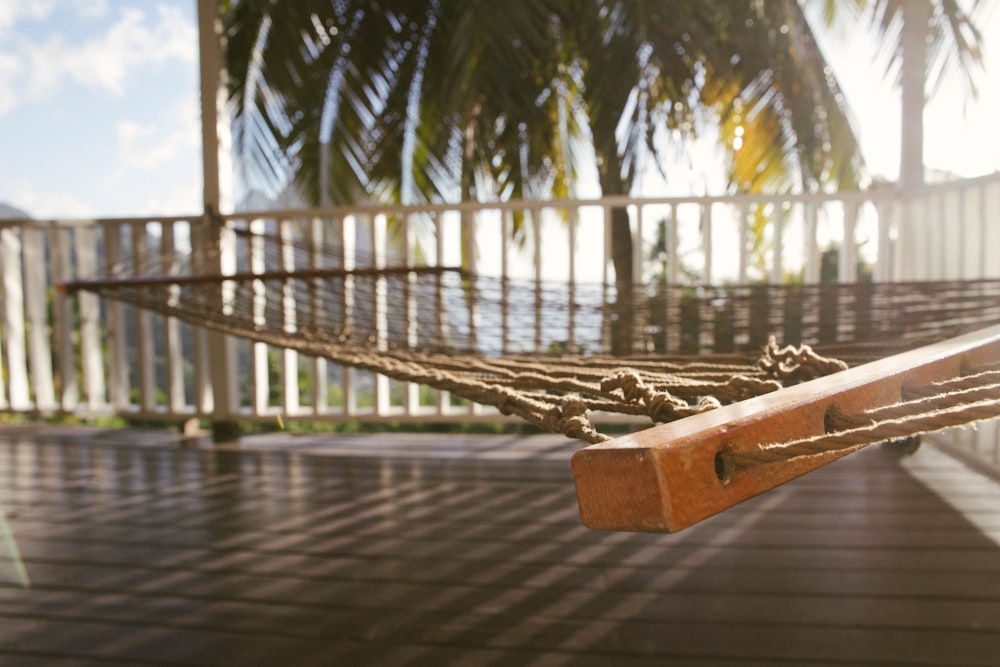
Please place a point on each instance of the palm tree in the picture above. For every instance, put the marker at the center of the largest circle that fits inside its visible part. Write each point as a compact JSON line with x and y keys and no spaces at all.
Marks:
{"x":445,"y":100}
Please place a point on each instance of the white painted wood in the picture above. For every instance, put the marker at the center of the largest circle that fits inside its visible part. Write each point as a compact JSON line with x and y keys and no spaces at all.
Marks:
{"x":944,"y":230}
{"x":174,"y":355}
{"x":260,"y":379}
{"x":317,"y":244}
{"x":381,"y":307}
{"x":411,"y":392}
{"x":743,"y":241}
{"x":777,"y":247}
{"x":117,"y":340}
{"x":885,"y":265}
{"x":91,"y":338}
{"x":706,"y":243}
{"x":506,"y":233}
{"x":915,"y":29}
{"x":572,"y":220}
{"x":63,"y":322}
{"x":847,"y":267}
{"x":18,"y":397}
{"x":36,"y":282}
{"x":289,"y":358}
{"x":348,"y":244}
{"x":145,"y":354}
{"x":810,"y":250}
{"x":536,"y":234}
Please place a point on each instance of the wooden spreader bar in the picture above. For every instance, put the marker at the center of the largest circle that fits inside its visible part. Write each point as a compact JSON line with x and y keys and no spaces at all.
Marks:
{"x":670,"y":476}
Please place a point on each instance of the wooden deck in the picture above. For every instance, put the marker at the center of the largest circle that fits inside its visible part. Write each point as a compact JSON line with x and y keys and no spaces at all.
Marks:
{"x":460,"y":550}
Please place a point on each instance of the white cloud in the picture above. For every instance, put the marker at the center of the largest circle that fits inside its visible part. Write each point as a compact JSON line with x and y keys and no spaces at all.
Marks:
{"x":13,"y":11}
{"x":161,"y":151}
{"x":37,"y":69}
{"x":151,"y":146}
{"x":10,"y":68}
{"x":56,"y":203}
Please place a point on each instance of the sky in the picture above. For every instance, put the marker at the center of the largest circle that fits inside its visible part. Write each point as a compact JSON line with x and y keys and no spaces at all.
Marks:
{"x":99,"y":111}
{"x":99,"y":107}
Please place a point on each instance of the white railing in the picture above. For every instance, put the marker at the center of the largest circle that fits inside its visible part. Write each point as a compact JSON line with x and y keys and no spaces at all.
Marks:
{"x":76,"y":354}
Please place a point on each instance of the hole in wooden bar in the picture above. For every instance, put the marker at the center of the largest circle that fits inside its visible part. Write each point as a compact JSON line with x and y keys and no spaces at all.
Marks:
{"x":911,"y":391}
{"x":836,"y":420}
{"x":724,"y":466}
{"x":967,"y":368}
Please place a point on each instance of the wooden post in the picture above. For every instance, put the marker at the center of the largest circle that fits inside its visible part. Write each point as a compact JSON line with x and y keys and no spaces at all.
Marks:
{"x":916,"y":26}
{"x":217,"y":180}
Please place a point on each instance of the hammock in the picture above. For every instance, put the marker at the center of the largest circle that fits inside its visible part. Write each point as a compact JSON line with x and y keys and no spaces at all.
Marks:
{"x":470,"y":335}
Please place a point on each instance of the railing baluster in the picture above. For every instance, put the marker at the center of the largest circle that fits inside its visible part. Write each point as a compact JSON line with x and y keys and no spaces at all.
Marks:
{"x":290,"y":401}
{"x":921,"y":237}
{"x":847,"y":270}
{"x":259,"y":368}
{"x":536,"y":233}
{"x":91,"y":356}
{"x":777,"y":249}
{"x":63,"y":324}
{"x":174,"y":351}
{"x":348,"y":246}
{"x":506,"y":234}
{"x":743,"y":239}
{"x":442,"y":398}
{"x":118,"y":387}
{"x":706,"y":242}
{"x":810,"y":250}
{"x":380,"y":308}
{"x":39,"y":346}
{"x":572,"y":214}
{"x":411,"y":396}
{"x":317,"y":305}
{"x":18,"y":397}
{"x":145,"y":352}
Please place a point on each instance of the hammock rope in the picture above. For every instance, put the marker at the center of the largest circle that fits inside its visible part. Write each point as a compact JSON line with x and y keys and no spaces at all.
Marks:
{"x":736,"y":413}
{"x":469,"y":335}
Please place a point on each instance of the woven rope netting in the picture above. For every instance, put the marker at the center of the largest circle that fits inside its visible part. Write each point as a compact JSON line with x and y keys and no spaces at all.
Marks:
{"x":539,"y":350}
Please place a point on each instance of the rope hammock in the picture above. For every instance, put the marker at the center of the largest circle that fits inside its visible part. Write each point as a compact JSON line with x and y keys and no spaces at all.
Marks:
{"x":479,"y":338}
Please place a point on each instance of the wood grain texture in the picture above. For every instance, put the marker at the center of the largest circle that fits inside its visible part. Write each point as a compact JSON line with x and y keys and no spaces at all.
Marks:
{"x":670,"y":476}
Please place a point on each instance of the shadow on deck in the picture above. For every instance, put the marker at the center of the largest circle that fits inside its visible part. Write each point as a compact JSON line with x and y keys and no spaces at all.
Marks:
{"x":433,"y":550}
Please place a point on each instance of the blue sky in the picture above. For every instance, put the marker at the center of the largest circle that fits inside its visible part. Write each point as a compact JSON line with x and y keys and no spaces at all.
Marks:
{"x":99,"y":108}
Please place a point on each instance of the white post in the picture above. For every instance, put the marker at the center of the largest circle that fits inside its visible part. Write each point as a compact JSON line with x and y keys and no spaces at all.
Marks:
{"x":217,"y":195}
{"x":916,"y":26}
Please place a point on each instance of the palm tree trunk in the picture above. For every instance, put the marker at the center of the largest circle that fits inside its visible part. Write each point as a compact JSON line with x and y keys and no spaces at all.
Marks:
{"x":623,"y":309}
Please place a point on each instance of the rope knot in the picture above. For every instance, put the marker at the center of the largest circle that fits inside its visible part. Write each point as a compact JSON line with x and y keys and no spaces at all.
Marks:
{"x":796,"y":364}
{"x":662,"y":407}
{"x":571,"y":419}
{"x":628,"y":382}
{"x":747,"y":387}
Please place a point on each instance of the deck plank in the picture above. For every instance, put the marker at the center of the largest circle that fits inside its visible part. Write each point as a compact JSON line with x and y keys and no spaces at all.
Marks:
{"x":402,"y":550}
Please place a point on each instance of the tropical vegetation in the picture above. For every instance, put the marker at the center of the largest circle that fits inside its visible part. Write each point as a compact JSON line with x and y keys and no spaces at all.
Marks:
{"x":448,"y":100}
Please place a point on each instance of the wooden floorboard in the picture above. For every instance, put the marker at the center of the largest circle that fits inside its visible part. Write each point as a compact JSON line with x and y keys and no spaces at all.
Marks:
{"x":462,"y":550}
